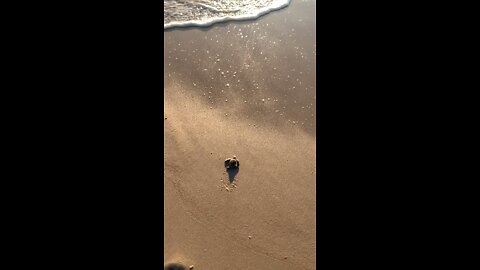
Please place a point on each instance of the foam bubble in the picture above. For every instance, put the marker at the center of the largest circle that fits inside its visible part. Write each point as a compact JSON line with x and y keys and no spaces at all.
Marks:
{"x":204,"y":13}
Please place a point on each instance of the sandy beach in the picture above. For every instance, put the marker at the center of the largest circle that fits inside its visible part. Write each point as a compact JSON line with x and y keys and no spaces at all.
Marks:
{"x":246,"y":89}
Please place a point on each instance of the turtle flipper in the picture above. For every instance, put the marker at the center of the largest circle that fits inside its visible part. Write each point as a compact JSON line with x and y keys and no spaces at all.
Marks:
{"x":227,"y":162}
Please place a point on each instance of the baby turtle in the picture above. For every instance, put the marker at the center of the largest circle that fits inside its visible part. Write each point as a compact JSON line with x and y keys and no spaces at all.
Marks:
{"x":232,"y":162}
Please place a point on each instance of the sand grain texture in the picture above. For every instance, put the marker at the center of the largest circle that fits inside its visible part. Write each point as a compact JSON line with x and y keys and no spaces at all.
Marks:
{"x":266,"y":221}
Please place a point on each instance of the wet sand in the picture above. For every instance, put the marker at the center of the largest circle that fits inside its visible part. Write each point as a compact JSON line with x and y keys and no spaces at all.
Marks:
{"x":246,"y":89}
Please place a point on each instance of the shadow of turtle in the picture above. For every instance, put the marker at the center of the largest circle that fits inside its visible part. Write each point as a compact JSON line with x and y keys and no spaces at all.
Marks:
{"x":232,"y":172}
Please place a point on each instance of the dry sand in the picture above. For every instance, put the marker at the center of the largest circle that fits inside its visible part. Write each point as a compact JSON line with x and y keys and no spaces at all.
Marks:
{"x":261,"y":109}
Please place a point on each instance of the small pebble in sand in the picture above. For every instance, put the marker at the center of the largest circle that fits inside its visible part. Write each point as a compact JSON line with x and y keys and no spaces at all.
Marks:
{"x":249,"y":237}
{"x":285,"y":257}
{"x":165,"y":118}
{"x":227,"y":188}
{"x":191,"y":266}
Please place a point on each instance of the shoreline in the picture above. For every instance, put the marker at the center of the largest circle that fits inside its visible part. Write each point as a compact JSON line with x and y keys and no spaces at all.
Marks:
{"x":246,"y":17}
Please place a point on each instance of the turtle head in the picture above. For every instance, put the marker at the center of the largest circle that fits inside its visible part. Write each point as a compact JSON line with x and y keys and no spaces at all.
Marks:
{"x":234,"y":157}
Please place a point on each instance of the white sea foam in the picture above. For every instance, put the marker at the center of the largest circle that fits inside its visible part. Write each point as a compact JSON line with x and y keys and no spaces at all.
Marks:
{"x":185,"y":13}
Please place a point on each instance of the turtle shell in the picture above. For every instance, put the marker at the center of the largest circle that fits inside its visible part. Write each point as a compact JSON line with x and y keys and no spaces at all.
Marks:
{"x":232,"y":163}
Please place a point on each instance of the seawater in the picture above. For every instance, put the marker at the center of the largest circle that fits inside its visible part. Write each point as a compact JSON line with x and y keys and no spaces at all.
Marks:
{"x":182,"y":13}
